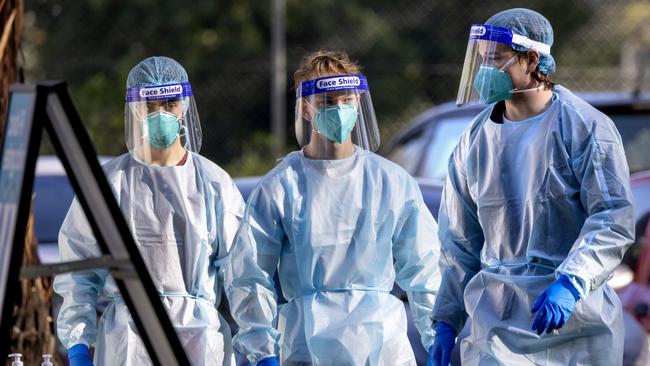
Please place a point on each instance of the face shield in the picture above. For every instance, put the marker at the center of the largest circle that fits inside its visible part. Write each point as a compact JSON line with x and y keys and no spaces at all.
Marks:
{"x":161,"y":117}
{"x":489,"y":55}
{"x":336,"y":109}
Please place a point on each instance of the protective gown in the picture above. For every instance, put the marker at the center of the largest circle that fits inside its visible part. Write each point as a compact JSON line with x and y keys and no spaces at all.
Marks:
{"x":183,"y":219}
{"x":524,"y":203}
{"x":340,"y":233}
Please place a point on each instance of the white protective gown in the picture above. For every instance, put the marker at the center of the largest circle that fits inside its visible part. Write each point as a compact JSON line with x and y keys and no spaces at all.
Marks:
{"x":183,"y":219}
{"x":340,"y":233}
{"x":524,"y":203}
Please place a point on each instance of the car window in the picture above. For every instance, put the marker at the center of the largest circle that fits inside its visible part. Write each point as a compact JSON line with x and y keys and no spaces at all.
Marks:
{"x":444,"y":140}
{"x":641,"y":200}
{"x":408,"y":152}
{"x":52,"y":197}
{"x":635,"y":133}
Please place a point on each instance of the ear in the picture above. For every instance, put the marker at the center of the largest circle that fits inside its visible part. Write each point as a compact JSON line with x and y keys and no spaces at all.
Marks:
{"x":533,"y":61}
{"x":305,"y":112}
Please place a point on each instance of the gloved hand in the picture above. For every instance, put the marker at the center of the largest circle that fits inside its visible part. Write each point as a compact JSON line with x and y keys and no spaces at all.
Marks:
{"x":269,"y":361}
{"x":440,"y":352}
{"x":78,"y":355}
{"x":555,"y":305}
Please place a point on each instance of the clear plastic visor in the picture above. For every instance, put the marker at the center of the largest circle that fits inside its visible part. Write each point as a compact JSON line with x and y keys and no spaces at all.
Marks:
{"x":161,"y":124}
{"x":333,"y":111}
{"x":487,"y":55}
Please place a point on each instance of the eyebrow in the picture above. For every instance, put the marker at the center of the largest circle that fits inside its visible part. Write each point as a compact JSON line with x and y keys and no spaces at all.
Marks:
{"x":166,"y":100}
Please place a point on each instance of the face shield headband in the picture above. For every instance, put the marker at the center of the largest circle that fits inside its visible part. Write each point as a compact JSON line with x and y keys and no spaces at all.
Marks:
{"x":332,"y":84}
{"x":494,"y":33}
{"x":167,"y":91}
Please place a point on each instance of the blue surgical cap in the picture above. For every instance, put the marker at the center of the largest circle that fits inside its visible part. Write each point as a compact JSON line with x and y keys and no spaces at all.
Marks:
{"x":156,"y":70}
{"x":529,"y":24}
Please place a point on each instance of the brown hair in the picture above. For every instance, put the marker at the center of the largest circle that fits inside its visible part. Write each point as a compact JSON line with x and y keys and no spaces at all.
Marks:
{"x":324,"y":63}
{"x":537,"y":75}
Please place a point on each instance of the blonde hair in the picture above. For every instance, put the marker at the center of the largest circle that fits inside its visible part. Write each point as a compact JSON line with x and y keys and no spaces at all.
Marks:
{"x":324,"y":63}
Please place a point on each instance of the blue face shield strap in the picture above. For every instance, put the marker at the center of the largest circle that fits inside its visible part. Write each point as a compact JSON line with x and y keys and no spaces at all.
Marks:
{"x":168,"y":91}
{"x":494,"y":33}
{"x":332,"y":84}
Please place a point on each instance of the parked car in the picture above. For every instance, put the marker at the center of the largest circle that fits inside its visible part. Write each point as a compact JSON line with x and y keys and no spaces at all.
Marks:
{"x":53,"y":194}
{"x":423,"y":148}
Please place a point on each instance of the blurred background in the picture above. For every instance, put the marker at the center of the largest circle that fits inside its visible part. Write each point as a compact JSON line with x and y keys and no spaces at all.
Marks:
{"x":240,"y":56}
{"x":412,"y":53}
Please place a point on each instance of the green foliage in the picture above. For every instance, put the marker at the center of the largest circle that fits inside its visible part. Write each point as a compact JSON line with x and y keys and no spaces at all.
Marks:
{"x":412,"y":52}
{"x":255,"y":158}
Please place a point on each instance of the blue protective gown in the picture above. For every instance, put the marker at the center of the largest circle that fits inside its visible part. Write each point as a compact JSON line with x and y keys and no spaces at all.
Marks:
{"x":183,"y":220}
{"x":524,"y":203}
{"x":340,"y":233}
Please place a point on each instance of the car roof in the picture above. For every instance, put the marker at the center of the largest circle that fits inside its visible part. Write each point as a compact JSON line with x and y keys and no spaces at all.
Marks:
{"x":51,"y":164}
{"x":615,"y":98}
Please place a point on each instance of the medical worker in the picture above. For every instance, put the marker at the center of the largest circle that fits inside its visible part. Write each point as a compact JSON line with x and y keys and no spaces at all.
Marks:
{"x":183,"y":211}
{"x":536,"y":212}
{"x":340,"y":225}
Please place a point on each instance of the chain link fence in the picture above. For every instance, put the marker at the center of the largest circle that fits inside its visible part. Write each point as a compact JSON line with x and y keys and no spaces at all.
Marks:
{"x":412,"y":53}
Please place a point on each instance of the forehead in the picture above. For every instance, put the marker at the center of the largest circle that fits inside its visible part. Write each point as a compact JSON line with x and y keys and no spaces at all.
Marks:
{"x":489,"y":48}
{"x":335,"y":94}
{"x":164,"y":101}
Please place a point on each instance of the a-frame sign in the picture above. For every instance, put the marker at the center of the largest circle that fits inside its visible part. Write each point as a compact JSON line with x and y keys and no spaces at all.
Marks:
{"x":48,"y":106}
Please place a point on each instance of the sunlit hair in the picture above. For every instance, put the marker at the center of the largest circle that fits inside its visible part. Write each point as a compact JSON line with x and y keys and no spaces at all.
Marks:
{"x":324,"y":63}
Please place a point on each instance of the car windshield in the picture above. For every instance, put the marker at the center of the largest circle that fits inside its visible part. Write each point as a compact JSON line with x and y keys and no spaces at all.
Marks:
{"x":635,"y":133}
{"x":443,"y":142}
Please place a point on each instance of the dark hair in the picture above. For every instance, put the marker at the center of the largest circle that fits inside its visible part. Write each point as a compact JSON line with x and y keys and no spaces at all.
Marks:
{"x":537,"y":75}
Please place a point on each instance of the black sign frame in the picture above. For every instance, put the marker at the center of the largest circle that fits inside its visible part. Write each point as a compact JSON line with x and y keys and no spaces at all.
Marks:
{"x":54,"y":111}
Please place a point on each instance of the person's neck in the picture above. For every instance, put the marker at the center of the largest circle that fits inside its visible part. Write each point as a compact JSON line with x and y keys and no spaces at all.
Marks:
{"x":327,"y":150}
{"x":165,"y":157}
{"x":528,"y":104}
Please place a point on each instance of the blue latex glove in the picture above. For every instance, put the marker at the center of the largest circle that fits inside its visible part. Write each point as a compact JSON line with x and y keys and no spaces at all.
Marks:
{"x":555,"y":305}
{"x":269,"y":361}
{"x":78,"y":355}
{"x":440,"y":352}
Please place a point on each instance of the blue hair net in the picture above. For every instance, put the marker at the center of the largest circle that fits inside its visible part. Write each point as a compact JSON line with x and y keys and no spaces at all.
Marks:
{"x":156,"y":70}
{"x":530,"y":24}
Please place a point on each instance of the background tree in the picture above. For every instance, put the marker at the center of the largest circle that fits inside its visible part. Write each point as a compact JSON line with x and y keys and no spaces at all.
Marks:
{"x":412,"y":52}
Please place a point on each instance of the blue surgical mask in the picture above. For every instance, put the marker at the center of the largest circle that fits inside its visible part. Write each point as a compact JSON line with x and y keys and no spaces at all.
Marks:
{"x":163,"y":129}
{"x":336,"y":122}
{"x":493,"y":84}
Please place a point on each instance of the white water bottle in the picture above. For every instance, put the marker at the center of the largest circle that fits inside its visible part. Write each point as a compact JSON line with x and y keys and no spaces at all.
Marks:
{"x":16,"y":359}
{"x":47,"y":360}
